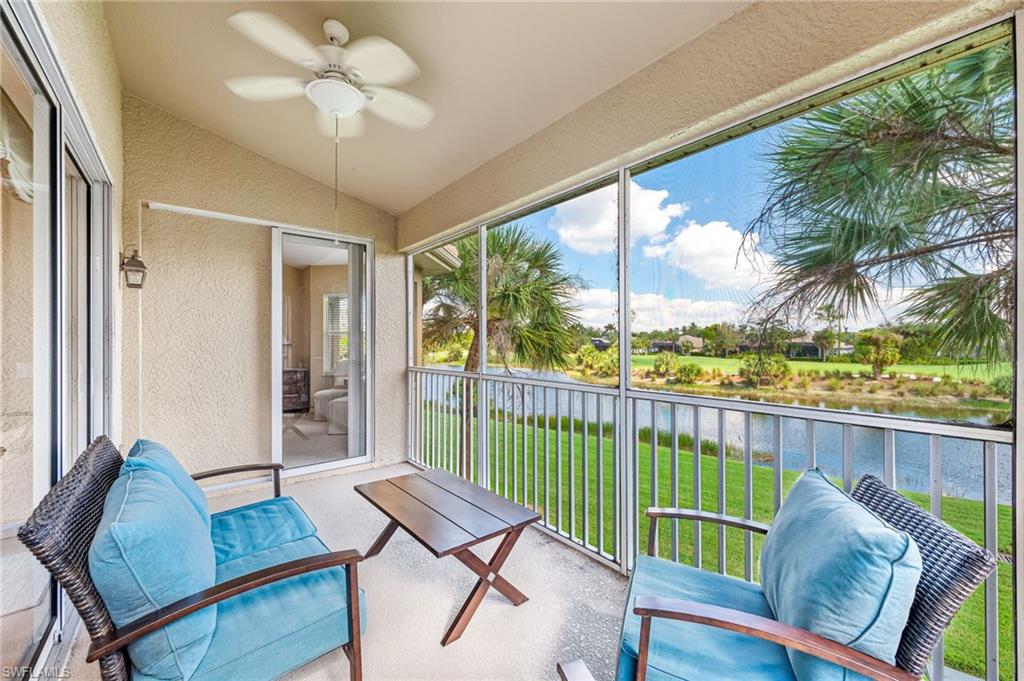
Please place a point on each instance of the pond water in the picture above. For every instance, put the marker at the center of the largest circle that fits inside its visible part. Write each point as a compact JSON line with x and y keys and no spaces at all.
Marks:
{"x":962,"y":470}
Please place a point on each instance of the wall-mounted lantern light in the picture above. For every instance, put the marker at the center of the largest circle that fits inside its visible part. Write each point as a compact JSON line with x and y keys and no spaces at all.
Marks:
{"x":134,"y":269}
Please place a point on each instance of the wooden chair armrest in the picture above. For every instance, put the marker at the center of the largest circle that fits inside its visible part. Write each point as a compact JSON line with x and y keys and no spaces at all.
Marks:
{"x":274,"y":468}
{"x":655,"y":513}
{"x":122,"y":636}
{"x":574,"y":671}
{"x":768,"y":629}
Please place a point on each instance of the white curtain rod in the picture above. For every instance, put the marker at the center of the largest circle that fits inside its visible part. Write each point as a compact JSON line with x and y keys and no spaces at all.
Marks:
{"x":230,"y":217}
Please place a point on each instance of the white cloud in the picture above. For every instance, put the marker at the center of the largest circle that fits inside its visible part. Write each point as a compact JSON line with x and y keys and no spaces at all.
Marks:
{"x":892,"y":303}
{"x":598,"y":306}
{"x":712,"y":252}
{"x":647,"y":216}
{"x":652,"y":311}
{"x":589,"y":223}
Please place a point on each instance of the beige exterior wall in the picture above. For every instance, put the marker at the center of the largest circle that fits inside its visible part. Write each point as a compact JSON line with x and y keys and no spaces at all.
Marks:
{"x":761,"y":58}
{"x":206,"y":305}
{"x":79,"y":35}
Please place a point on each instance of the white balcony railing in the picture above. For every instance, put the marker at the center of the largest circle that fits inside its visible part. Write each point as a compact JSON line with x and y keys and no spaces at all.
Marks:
{"x":590,"y":459}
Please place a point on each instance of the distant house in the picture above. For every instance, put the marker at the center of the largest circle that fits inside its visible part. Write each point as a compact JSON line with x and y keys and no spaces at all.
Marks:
{"x":688,"y":343}
{"x":662,"y":346}
{"x":600,"y":344}
{"x":803,"y":347}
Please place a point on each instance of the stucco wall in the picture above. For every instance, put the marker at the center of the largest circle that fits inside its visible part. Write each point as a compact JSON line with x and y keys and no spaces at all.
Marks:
{"x":205,"y":340}
{"x":80,"y":38}
{"x":173,"y":161}
{"x":762,"y":57}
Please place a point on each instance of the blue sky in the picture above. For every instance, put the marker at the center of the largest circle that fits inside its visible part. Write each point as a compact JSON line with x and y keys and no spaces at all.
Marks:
{"x":687,"y":220}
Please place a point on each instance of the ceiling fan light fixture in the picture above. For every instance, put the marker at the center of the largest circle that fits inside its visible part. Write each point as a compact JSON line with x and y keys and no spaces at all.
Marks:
{"x":336,"y":97}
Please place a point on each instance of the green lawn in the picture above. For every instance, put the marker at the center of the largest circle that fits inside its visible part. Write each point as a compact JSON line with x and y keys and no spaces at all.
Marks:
{"x":513,"y":463}
{"x":731,"y":365}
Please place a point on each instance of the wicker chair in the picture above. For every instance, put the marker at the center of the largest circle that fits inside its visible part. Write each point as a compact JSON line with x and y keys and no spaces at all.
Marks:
{"x":952,"y":568}
{"x":59,"y":532}
{"x":61,"y":529}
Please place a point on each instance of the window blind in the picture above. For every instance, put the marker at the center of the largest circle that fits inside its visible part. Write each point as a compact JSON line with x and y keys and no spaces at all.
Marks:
{"x":335,"y":331}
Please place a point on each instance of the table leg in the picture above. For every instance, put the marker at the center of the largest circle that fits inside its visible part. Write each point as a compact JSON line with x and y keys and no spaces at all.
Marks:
{"x":382,"y":539}
{"x":483,"y":570}
{"x":488,"y":577}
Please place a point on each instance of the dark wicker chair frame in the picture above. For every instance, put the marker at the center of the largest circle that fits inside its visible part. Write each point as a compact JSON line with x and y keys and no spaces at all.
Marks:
{"x":795,"y":638}
{"x":60,"y":531}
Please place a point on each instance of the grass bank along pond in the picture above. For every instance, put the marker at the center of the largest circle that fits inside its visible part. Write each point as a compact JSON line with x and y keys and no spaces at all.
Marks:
{"x":976,"y":394}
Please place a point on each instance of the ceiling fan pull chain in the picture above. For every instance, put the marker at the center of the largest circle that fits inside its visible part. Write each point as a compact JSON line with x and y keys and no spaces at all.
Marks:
{"x":337,"y":153}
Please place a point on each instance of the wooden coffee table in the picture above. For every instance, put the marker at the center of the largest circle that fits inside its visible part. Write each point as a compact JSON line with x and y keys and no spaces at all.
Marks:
{"x":448,"y":515}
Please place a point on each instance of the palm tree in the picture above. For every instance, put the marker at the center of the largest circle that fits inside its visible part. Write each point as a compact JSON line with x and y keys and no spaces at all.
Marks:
{"x":531,"y":311}
{"x":908,"y":185}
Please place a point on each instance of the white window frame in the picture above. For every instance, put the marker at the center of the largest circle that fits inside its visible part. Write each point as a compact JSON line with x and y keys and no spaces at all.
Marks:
{"x":327,"y":333}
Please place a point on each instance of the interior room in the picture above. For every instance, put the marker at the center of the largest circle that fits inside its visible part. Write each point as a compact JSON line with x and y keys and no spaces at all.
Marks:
{"x":502,"y":340}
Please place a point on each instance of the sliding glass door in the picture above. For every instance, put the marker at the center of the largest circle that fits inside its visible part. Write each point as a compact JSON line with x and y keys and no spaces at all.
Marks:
{"x":320,"y":293}
{"x":27,"y":351}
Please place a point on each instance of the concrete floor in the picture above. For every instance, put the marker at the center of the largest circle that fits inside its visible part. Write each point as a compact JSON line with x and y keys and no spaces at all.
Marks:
{"x":574,"y":608}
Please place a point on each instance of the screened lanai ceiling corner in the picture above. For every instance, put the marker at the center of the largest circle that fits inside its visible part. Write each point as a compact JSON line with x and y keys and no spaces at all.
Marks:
{"x":495,"y":73}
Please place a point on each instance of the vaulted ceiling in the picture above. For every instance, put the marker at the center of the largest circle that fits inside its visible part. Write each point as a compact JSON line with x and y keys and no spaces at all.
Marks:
{"x":496,"y":73}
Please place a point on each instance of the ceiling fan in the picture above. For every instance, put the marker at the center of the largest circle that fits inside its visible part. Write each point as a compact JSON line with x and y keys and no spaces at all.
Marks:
{"x":349,"y":77}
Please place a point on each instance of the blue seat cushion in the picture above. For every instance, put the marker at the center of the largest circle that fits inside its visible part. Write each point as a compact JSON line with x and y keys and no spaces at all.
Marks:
{"x":696,"y":652}
{"x":151,"y":549}
{"x":150,"y":455}
{"x":255,"y":527}
{"x":264,"y":633}
{"x":831,"y":566}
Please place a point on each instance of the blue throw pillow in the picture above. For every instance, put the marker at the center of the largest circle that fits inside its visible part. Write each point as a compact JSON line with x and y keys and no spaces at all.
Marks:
{"x":150,"y":455}
{"x":151,"y":549}
{"x":831,"y":566}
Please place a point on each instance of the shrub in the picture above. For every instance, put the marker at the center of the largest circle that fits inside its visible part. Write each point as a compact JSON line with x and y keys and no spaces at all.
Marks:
{"x":665,"y":364}
{"x":921,"y":389}
{"x":1002,"y":385}
{"x":689,"y":372}
{"x":833,"y":385}
{"x":597,"y":362}
{"x":758,"y":369}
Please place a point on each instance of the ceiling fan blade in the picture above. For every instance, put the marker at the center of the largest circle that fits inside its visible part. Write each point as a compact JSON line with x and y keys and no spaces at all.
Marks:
{"x":397,"y":107}
{"x":266,"y":88}
{"x":352,"y":126}
{"x":274,"y":35}
{"x":378,"y":60}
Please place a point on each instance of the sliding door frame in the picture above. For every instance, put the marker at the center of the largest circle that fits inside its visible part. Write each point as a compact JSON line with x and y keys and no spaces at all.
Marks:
{"x":278,"y":233}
